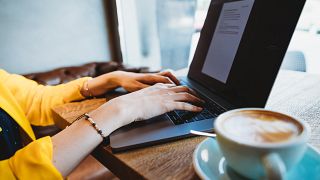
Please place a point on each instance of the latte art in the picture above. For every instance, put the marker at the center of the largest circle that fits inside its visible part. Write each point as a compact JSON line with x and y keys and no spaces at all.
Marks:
{"x":266,"y":128}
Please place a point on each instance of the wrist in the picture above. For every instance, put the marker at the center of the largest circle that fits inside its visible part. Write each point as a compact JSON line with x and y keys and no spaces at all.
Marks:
{"x":108,"y":116}
{"x":115,"y":78}
{"x":108,"y":81}
{"x":85,"y":89}
{"x":101,"y":84}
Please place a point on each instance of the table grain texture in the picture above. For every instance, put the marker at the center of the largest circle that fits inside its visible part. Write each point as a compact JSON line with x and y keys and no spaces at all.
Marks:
{"x":294,"y":93}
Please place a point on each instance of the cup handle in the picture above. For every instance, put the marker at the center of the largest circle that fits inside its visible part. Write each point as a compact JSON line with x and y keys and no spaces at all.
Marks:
{"x":274,"y":166}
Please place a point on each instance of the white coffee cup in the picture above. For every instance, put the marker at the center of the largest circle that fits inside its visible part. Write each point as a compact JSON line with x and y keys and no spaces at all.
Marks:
{"x":261,"y":156}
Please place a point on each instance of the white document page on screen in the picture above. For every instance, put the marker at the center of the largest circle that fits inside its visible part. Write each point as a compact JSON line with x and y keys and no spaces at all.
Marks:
{"x":226,"y":39}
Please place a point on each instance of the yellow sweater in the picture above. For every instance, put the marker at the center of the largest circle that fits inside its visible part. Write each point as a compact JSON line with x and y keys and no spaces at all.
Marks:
{"x":30,"y":103}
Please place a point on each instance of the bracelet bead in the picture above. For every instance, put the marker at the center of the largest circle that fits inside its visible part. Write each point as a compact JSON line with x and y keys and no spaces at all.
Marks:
{"x":87,"y":117}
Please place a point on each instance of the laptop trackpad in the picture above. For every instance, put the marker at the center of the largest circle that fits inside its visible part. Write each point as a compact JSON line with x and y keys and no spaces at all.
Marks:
{"x":139,"y":133}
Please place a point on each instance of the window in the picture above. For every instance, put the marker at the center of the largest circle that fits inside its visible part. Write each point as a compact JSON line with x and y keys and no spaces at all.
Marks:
{"x":160,"y":34}
{"x":306,"y":39}
{"x":164,"y":34}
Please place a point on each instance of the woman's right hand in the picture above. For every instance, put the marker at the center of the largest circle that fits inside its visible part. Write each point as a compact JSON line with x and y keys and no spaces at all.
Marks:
{"x":149,"y":102}
{"x":74,"y":143}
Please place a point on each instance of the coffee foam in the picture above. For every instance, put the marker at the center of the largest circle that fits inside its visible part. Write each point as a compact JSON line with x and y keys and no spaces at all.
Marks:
{"x":261,"y":127}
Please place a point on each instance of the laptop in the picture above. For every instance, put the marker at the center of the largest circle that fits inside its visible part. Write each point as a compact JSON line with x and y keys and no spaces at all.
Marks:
{"x":240,"y":51}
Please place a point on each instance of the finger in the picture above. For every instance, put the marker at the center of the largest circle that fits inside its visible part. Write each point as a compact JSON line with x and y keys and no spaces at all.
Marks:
{"x":178,"y":89}
{"x":184,"y":106}
{"x":155,"y":78}
{"x":186,"y":97}
{"x":171,"y":76}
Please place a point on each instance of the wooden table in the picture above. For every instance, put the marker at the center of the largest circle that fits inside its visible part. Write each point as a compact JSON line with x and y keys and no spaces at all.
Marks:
{"x":294,"y":93}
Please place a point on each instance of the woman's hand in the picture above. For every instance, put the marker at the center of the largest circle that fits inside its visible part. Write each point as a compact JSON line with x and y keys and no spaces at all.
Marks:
{"x":128,"y":80}
{"x":149,"y":102}
{"x":136,"y":81}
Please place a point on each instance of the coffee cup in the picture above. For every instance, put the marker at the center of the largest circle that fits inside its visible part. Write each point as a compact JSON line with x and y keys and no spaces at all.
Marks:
{"x":261,"y":144}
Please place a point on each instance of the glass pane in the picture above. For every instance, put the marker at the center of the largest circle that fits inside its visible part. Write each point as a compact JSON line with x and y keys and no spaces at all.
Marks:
{"x":160,"y":34}
{"x":164,"y":33}
{"x":175,"y":22}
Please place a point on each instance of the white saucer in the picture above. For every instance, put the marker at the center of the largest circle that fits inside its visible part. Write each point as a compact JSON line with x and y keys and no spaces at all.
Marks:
{"x":209,"y":163}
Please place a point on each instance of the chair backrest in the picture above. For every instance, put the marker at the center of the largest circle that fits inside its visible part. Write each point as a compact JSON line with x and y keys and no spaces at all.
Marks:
{"x":294,"y":60}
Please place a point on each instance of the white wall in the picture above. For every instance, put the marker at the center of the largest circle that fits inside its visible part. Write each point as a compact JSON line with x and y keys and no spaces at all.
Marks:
{"x":38,"y":35}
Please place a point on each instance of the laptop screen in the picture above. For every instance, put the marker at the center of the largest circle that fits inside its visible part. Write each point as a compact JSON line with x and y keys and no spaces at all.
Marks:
{"x":227,"y":35}
{"x":241,"y":47}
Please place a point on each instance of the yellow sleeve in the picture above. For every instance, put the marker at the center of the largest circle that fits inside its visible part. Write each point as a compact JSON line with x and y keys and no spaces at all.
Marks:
{"x":31,"y":162}
{"x":37,"y":100}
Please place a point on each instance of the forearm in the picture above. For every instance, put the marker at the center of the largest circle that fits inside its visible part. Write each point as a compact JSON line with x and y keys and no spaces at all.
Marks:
{"x":73,"y":144}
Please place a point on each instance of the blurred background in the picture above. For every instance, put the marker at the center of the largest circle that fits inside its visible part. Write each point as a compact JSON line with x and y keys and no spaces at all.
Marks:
{"x":40,"y":35}
{"x":164,"y":33}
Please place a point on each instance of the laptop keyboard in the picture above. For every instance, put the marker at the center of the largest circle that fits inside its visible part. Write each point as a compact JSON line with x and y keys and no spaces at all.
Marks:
{"x":210,"y":110}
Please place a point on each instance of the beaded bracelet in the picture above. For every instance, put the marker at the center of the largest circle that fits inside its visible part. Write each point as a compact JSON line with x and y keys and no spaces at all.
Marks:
{"x":94,"y":124}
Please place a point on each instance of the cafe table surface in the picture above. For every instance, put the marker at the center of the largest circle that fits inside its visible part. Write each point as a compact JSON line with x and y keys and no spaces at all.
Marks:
{"x":294,"y":93}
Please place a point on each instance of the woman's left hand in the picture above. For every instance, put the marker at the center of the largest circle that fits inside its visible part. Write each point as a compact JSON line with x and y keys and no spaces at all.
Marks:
{"x":136,"y":81}
{"x":128,"y":80}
